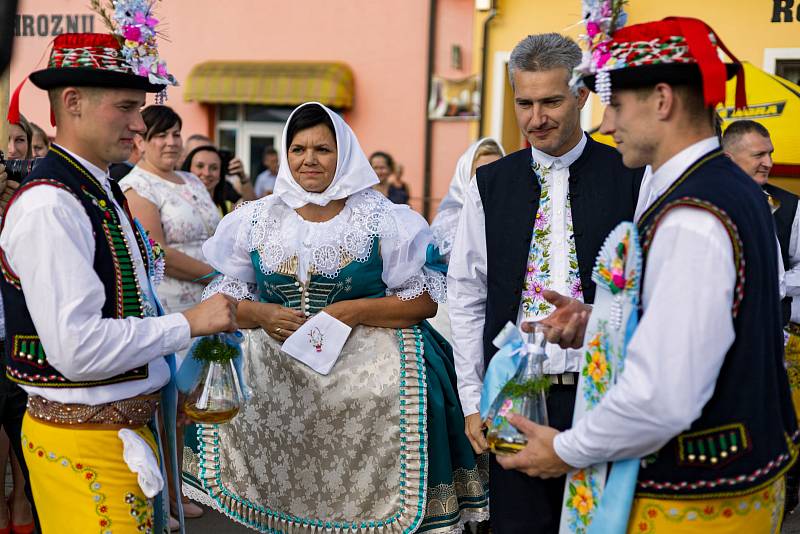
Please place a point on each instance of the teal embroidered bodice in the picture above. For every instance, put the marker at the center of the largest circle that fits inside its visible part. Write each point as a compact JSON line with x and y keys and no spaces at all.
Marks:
{"x":355,"y":280}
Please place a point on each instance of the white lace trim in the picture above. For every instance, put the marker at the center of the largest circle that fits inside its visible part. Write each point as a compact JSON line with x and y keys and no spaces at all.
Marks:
{"x":434,"y":282}
{"x":444,"y":230}
{"x":227,"y":285}
{"x":278,"y":234}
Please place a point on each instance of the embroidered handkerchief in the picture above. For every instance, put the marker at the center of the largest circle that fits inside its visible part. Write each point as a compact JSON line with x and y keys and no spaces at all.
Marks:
{"x":318,"y":342}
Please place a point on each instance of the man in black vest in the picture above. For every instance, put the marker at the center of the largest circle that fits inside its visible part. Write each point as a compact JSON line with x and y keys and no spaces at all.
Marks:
{"x":704,"y":399}
{"x":532,"y":221}
{"x":749,"y":145}
{"x":83,"y":333}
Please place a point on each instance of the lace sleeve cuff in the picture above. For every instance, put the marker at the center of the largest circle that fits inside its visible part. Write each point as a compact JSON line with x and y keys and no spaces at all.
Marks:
{"x":428,"y":280}
{"x":227,"y":285}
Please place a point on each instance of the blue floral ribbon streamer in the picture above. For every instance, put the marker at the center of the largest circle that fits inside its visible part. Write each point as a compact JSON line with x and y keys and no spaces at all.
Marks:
{"x":594,"y":501}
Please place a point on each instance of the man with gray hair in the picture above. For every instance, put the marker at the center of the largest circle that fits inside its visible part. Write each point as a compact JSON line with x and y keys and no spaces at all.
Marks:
{"x":533,"y":221}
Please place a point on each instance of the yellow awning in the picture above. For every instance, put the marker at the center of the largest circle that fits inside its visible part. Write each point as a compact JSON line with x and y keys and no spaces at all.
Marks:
{"x":270,"y":83}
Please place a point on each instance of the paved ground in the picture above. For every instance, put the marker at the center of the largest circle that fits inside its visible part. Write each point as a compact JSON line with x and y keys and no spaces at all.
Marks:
{"x":214,"y":523}
{"x":792,"y":524}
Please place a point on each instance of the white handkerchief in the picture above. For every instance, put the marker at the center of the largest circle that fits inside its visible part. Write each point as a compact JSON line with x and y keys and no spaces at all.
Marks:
{"x":142,"y":461}
{"x":318,"y":342}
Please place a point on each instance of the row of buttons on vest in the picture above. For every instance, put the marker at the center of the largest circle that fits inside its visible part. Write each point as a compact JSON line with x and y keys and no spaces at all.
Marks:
{"x":304,"y":294}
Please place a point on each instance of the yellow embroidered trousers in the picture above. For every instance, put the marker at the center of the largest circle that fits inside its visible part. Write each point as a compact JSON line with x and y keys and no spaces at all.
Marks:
{"x":792,"y":358}
{"x":759,"y":512}
{"x":80,"y":482}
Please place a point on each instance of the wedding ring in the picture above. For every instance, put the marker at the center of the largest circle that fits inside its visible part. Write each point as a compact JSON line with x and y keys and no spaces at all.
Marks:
{"x":278,"y":330}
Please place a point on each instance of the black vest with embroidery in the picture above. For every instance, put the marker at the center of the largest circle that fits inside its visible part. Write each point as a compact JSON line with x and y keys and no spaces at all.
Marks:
{"x":746,"y":433}
{"x":26,"y":357}
{"x":602,"y":193}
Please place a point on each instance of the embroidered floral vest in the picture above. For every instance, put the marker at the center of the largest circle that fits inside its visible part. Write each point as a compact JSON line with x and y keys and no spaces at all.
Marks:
{"x":746,"y":434}
{"x":538,"y":273}
{"x":26,"y":357}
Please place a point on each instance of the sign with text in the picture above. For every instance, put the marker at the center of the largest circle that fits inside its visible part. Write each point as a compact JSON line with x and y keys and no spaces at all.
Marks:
{"x":785,"y":11}
{"x":50,"y":25}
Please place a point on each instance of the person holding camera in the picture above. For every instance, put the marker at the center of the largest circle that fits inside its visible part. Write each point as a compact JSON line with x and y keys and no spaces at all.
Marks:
{"x":18,"y":515}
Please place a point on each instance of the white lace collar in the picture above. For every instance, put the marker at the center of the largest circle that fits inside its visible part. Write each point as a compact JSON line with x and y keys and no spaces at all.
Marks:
{"x":280,"y":235}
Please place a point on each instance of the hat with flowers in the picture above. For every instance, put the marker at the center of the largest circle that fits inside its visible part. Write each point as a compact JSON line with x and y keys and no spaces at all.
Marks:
{"x":675,"y":50}
{"x":126,"y":58}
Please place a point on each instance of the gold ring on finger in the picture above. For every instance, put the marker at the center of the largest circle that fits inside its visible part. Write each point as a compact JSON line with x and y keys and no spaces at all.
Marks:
{"x":278,"y":330}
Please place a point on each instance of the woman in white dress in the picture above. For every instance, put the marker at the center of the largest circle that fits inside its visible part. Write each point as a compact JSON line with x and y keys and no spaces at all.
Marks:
{"x":178,"y":213}
{"x":174,"y":207}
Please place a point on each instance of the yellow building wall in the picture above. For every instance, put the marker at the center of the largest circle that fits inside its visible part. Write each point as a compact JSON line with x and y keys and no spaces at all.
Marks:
{"x":744,"y":26}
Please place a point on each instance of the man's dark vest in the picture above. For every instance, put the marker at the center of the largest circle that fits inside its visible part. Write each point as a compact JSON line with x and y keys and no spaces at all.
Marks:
{"x":784,"y":218}
{"x":745,"y":436}
{"x":26,"y":358}
{"x":603,"y":193}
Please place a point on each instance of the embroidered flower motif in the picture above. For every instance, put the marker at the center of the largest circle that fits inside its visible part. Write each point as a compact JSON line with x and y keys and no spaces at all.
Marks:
{"x":582,"y":500}
{"x":598,"y":367}
{"x":537,"y":275}
{"x":316,"y":338}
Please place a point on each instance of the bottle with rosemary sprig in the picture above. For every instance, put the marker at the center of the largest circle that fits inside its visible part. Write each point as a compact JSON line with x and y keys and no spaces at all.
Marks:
{"x":215,"y":396}
{"x":524,"y":394}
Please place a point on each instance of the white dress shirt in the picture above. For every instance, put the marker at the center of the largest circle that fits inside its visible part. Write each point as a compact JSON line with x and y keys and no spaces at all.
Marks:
{"x":792,"y":276}
{"x":48,"y":241}
{"x":466,"y":279}
{"x":684,"y":333}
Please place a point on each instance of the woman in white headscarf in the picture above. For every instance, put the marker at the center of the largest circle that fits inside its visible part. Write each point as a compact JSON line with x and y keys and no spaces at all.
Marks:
{"x":481,"y":152}
{"x":377,"y":443}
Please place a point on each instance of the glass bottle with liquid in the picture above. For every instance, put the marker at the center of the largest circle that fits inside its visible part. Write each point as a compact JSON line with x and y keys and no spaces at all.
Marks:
{"x":524,"y":394}
{"x":214,"y":398}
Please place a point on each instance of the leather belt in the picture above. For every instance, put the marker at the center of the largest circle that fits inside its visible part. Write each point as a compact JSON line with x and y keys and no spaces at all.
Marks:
{"x":564,"y":379}
{"x":126,"y":413}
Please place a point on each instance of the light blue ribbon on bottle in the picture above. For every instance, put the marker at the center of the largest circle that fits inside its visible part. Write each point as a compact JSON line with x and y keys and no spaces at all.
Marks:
{"x":503,"y":365}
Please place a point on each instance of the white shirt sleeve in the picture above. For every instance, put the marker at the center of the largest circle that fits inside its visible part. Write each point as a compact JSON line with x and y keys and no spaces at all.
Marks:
{"x":49,"y":244}
{"x":227,"y":250}
{"x":675,"y":355}
{"x":466,"y":295}
{"x":404,"y":256}
{"x":792,"y":276}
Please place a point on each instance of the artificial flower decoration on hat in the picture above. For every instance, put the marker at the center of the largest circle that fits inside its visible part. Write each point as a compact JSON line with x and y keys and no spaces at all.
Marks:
{"x":127,"y":58}
{"x":602,"y":19}
{"x":677,"y":50}
{"x":134,"y":25}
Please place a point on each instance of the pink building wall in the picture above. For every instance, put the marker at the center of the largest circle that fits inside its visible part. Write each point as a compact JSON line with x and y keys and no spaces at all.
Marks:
{"x":383,"y":41}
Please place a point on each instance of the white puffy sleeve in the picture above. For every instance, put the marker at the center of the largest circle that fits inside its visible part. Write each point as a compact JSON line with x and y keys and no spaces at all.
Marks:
{"x":404,"y":253}
{"x":228,"y":252}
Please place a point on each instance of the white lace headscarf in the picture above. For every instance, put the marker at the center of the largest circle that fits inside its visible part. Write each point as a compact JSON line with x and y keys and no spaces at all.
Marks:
{"x":353,"y":171}
{"x":463,"y":174}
